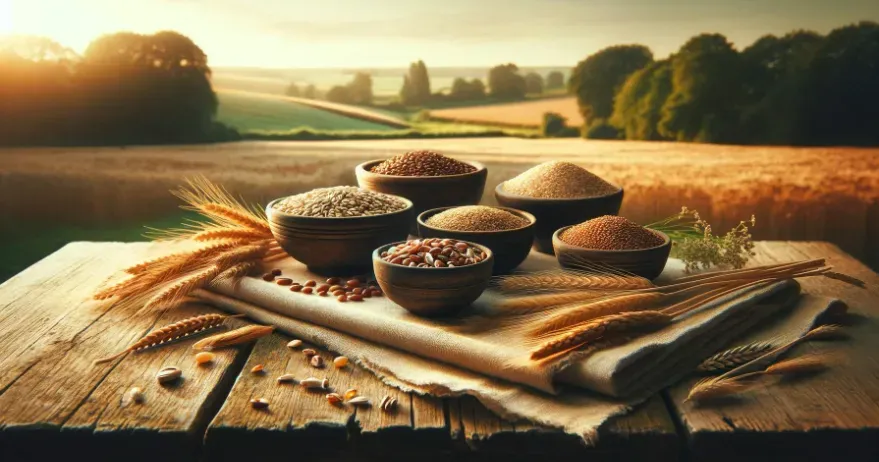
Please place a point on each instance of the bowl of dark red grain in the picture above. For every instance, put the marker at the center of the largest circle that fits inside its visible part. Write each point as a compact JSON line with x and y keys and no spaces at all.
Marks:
{"x":507,"y":232}
{"x":612,"y":243}
{"x":433,"y":277}
{"x":333,"y":231}
{"x":427,"y":178}
{"x":558,"y":194}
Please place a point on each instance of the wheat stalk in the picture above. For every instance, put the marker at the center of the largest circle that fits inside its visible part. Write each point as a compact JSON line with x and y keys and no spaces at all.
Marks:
{"x":183,"y":328}
{"x":602,"y":328}
{"x":717,"y":387}
{"x":714,"y":388}
{"x":235,"y":337}
{"x":808,"y":364}
{"x":572,"y":280}
{"x":734,"y":357}
{"x":532,"y":303}
{"x":237,"y":270}
{"x":182,"y":287}
{"x":235,"y":217}
{"x":845,"y":278}
{"x":216,"y":234}
{"x":596,"y":309}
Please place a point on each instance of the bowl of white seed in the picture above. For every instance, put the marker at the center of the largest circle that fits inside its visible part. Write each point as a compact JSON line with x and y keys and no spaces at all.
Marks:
{"x":334,"y":230}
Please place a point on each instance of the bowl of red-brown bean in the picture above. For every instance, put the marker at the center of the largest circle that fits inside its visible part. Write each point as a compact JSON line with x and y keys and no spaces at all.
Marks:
{"x":433,"y":277}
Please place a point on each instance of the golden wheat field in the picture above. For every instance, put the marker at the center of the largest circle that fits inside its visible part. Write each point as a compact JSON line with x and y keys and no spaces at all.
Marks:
{"x":520,"y":114}
{"x":796,"y":193}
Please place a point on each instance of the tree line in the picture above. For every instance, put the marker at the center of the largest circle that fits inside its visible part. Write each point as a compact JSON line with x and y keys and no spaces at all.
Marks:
{"x":802,"y":88}
{"x":125,"y":89}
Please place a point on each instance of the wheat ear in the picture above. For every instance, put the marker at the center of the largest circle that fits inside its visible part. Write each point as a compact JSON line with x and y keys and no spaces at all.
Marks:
{"x":845,"y":278}
{"x":235,"y":337}
{"x":234,"y":216}
{"x":714,"y":388}
{"x":216,"y":234}
{"x":571,"y":280}
{"x":237,"y":271}
{"x":602,"y":328}
{"x":183,"y":328}
{"x":596,"y":309}
{"x":734,"y":357}
{"x":183,"y":287}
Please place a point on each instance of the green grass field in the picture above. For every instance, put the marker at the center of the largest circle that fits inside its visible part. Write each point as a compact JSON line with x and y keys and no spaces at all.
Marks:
{"x":246,"y":113}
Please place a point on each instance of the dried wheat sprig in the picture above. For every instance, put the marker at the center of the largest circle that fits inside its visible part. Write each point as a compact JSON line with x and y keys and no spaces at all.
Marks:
{"x":734,"y":357}
{"x":252,"y":252}
{"x":596,"y":309}
{"x":754,"y":269}
{"x":183,"y":286}
{"x":237,"y":271}
{"x":605,"y":327}
{"x":807,"y":364}
{"x":716,"y":387}
{"x":532,"y":303}
{"x":235,"y":217}
{"x":219,"y":233}
{"x":571,"y":280}
{"x":235,"y":337}
{"x":845,"y":278}
{"x":169,"y":262}
{"x":183,"y":328}
{"x":713,"y":388}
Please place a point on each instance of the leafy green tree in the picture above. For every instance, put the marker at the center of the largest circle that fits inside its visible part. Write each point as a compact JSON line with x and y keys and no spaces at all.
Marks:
{"x":463,"y":90}
{"x":555,"y":79}
{"x":293,"y":90}
{"x":416,"y":85}
{"x":533,"y":83}
{"x":360,"y":88}
{"x":638,"y":104}
{"x":597,"y":78}
{"x":553,"y":124}
{"x":505,"y":82}
{"x":843,"y":94}
{"x":309,"y":92}
{"x":707,"y":88}
{"x":340,"y":94}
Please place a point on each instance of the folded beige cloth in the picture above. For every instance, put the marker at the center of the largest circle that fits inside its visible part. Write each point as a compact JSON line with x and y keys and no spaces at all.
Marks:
{"x":470,"y":355}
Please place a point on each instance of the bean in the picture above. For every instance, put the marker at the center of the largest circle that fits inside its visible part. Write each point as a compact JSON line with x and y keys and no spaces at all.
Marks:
{"x":310,"y":283}
{"x":296,"y":288}
{"x":353,"y":283}
{"x":333,"y":281}
{"x":356,"y":298}
{"x":283,"y":281}
{"x":342,"y":298}
{"x":276,"y":272}
{"x":307,"y":290}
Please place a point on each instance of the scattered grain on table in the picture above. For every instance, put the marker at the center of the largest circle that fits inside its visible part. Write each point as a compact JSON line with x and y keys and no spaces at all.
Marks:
{"x":558,"y":180}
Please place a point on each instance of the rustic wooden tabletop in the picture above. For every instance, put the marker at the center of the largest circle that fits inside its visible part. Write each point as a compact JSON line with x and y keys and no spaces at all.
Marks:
{"x":55,"y":403}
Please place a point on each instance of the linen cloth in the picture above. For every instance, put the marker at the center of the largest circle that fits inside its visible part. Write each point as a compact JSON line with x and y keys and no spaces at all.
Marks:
{"x":470,"y":354}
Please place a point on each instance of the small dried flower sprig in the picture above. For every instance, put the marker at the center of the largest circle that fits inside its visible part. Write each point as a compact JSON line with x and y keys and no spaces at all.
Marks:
{"x":695,"y":243}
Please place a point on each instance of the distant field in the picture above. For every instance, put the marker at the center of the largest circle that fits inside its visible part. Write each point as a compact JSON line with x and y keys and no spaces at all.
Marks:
{"x":252,"y":111}
{"x":519,"y":114}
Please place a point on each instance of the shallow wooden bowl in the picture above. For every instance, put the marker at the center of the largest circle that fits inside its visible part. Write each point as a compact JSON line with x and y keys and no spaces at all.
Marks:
{"x":647,"y":263}
{"x":510,"y":247}
{"x":337,"y":246}
{"x":552,"y":214}
{"x":432,"y":291}
{"x":426,"y":192}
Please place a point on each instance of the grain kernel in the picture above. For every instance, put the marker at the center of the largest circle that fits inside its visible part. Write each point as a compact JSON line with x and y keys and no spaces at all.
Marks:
{"x":276,"y":272}
{"x":317,"y":361}
{"x":258,"y":369}
{"x":283,"y":281}
{"x":359,"y":401}
{"x":340,"y":361}
{"x":334,"y":399}
{"x":356,"y":298}
{"x":342,"y":298}
{"x":168,"y":375}
{"x":268,"y":277}
{"x":307,"y":290}
{"x":310,"y":283}
{"x":204,"y":357}
{"x":259,"y":403}
{"x":296,"y":288}
{"x":296,"y":343}
{"x":309,"y":352}
{"x":352,"y":283}
{"x":352,"y":392}
{"x":286,"y":378}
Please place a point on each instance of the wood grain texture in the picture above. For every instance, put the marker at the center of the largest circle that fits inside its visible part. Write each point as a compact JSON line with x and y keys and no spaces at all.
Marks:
{"x":55,"y":402}
{"x":821,"y":418}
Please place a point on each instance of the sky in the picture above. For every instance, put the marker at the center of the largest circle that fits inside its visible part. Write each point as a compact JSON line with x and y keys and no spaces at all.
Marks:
{"x":392,"y":33}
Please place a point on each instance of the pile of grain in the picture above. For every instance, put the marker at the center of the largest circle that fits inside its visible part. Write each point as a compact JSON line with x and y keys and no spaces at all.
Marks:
{"x":558,"y":180}
{"x":476,"y":218}
{"x":422,"y":163}
{"x":611,"y":233}
{"x":339,"y":202}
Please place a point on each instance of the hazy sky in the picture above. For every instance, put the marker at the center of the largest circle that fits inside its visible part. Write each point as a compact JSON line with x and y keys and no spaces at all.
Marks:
{"x":391,"y":33}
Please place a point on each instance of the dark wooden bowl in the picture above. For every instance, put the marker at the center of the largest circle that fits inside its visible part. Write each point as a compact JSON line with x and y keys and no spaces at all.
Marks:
{"x":426,"y":192}
{"x":510,"y":247}
{"x":647,"y":263}
{"x":552,"y":214}
{"x":337,"y":246}
{"x":432,"y":291}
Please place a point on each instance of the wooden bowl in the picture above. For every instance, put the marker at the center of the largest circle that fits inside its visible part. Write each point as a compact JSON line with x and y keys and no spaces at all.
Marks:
{"x":647,"y":263}
{"x":510,"y":247}
{"x":426,"y":192}
{"x":337,"y":246}
{"x":552,"y":214}
{"x":432,"y":291}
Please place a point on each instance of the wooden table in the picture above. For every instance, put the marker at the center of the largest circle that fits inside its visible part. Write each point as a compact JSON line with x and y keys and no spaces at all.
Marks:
{"x":54,"y":403}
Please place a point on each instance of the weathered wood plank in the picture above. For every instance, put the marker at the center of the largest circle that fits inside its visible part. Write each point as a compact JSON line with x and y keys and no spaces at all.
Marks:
{"x":833,"y":415}
{"x":55,"y":402}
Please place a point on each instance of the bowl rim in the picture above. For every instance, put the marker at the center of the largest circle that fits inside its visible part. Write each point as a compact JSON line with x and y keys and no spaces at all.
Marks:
{"x":498,"y":190}
{"x":270,"y":210}
{"x":557,"y":239}
{"x":480,"y":167}
{"x":376,"y":257}
{"x":532,"y":220}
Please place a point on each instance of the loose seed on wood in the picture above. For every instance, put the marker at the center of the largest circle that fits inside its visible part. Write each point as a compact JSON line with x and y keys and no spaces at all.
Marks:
{"x":204,"y":357}
{"x":359,"y":401}
{"x":340,"y":362}
{"x":287,"y":378}
{"x":388,"y":404}
{"x":294,"y":343}
{"x":325,"y":383}
{"x":134,"y":395}
{"x":259,"y":403}
{"x":352,"y":392}
{"x":317,"y":361}
{"x":312,"y":383}
{"x":309,"y":352}
{"x":168,"y":375}
{"x":334,"y":399}
{"x":258,"y":369}
{"x":283,"y":281}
